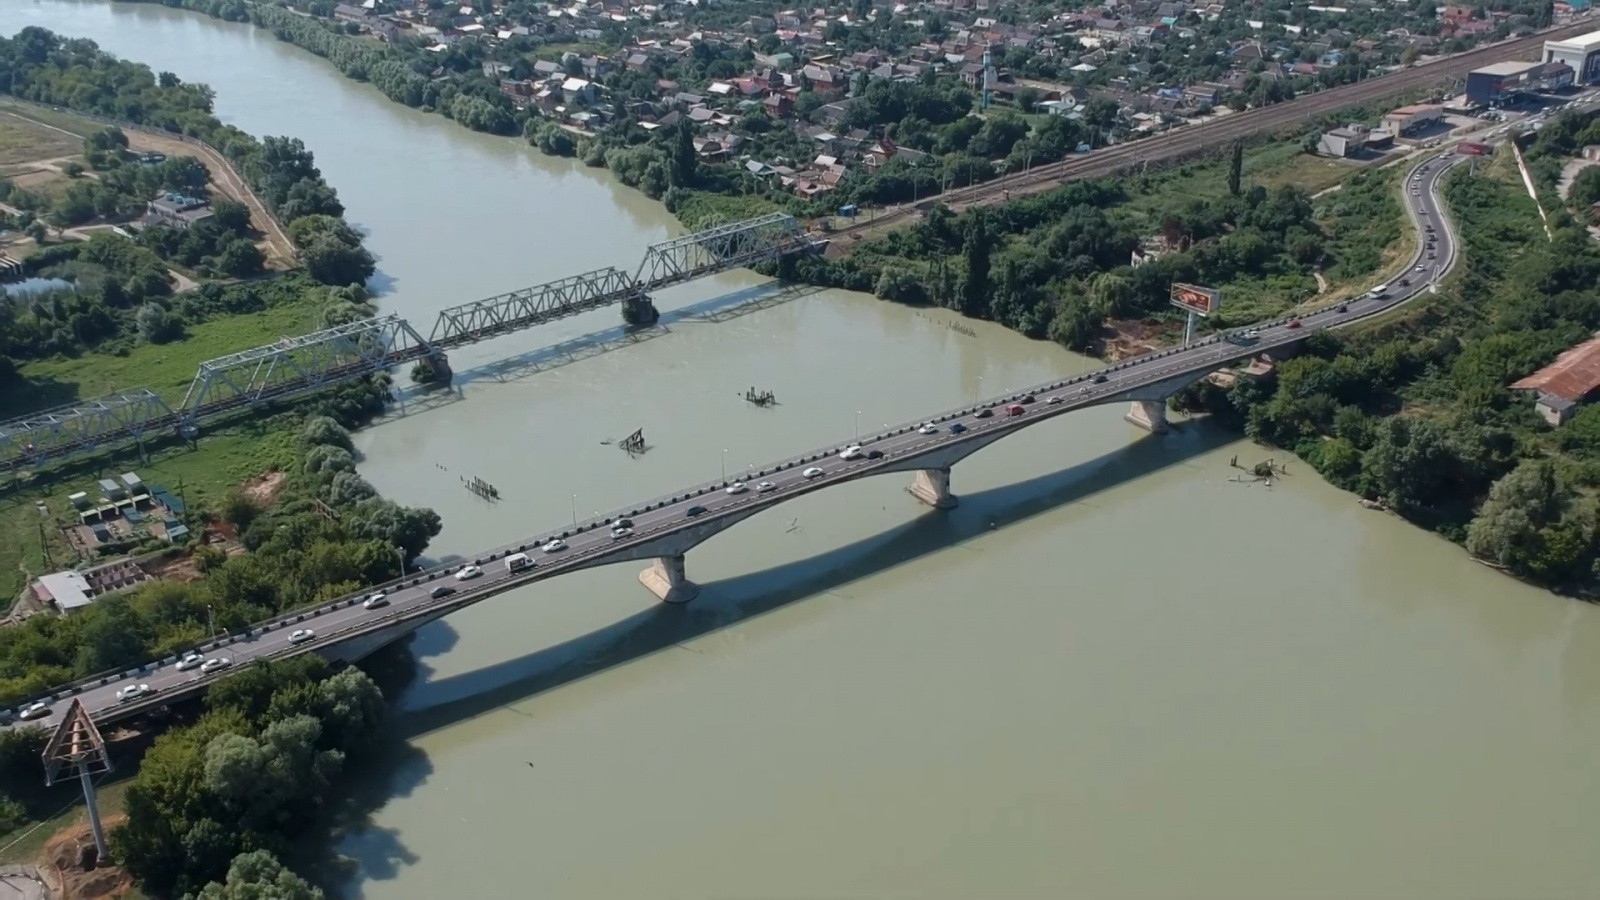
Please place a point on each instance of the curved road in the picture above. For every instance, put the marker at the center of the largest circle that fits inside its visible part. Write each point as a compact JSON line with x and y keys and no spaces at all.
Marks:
{"x":591,"y":543}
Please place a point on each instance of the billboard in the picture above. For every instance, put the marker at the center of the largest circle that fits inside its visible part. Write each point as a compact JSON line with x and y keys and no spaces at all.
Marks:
{"x":1468,"y":148}
{"x":1192,"y":298}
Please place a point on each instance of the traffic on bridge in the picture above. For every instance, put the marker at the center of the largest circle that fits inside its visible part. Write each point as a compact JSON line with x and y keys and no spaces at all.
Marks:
{"x":663,"y":530}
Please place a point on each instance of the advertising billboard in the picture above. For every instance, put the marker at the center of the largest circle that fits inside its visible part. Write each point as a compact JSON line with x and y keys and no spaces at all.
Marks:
{"x":1201,"y":301}
{"x":1468,"y":148}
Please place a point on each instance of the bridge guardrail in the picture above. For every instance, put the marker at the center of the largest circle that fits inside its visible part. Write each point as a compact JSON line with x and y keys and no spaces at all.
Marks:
{"x":590,"y":524}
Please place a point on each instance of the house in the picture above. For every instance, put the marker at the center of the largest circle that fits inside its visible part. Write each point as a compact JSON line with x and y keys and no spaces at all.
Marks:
{"x":177,"y":210}
{"x":1562,"y":386}
{"x":577,"y":90}
{"x":345,"y":13}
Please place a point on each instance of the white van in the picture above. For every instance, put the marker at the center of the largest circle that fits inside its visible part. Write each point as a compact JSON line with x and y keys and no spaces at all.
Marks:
{"x":516,"y":562}
{"x":1380,"y":290}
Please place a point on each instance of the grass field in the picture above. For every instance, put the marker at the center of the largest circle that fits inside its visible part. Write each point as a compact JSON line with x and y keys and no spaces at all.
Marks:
{"x":165,"y":368}
{"x":23,"y":142}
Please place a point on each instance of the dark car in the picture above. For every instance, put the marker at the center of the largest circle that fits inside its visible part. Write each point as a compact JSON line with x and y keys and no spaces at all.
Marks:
{"x":693,"y":511}
{"x":1100,"y":378}
{"x":443,"y":590}
{"x":1030,"y":399}
{"x":874,"y":454}
{"x":1405,"y":282}
{"x":957,"y":428}
{"x":984,"y":413}
{"x":1344,"y":307}
{"x":623,"y":522}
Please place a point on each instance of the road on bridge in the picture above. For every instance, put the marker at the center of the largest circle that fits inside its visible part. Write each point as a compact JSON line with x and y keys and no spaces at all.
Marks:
{"x":592,"y":543}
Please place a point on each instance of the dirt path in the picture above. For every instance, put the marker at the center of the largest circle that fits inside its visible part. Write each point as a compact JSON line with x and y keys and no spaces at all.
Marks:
{"x":278,"y":248}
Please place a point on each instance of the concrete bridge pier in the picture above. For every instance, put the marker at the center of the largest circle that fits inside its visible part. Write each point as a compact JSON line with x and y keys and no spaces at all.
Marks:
{"x":932,"y":486}
{"x":667,"y":579}
{"x":1151,"y":415}
{"x":638,"y":309}
{"x":442,"y":373}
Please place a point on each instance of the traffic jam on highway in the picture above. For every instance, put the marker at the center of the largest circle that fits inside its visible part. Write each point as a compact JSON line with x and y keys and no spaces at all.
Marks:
{"x":421,"y":594}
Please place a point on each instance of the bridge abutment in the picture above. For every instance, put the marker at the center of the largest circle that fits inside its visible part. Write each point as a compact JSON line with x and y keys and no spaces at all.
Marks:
{"x":639,"y":309}
{"x":1151,"y":415}
{"x":932,"y":486}
{"x":668,"y":579}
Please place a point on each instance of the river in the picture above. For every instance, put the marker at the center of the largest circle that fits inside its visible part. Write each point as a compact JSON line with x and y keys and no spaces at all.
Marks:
{"x":1112,"y":672}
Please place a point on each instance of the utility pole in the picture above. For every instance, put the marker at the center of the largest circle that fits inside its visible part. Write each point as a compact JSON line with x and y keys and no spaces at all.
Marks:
{"x":77,"y":744}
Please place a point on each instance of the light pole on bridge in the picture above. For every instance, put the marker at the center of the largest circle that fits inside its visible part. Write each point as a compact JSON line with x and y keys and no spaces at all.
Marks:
{"x":574,"y":510}
{"x":724,"y":463}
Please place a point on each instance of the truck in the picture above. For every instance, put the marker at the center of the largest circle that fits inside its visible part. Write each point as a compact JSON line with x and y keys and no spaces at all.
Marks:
{"x":516,"y":562}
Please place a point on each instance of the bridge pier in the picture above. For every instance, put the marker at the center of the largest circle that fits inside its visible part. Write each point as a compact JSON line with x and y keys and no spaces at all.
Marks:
{"x":932,"y":486}
{"x":638,"y":309}
{"x":1151,"y":415}
{"x":667,"y":579}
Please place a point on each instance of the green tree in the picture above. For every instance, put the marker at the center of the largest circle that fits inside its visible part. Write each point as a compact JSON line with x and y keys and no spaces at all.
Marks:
{"x":1236,"y":169}
{"x":975,"y":252}
{"x":685,"y":165}
{"x":258,"y":875}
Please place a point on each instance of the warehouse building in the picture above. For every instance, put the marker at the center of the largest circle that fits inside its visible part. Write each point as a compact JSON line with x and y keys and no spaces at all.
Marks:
{"x":1498,"y":84}
{"x":1410,"y":119}
{"x":1581,"y":53}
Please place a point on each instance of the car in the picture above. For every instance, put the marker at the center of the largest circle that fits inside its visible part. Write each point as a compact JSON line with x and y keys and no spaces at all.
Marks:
{"x":984,"y":413}
{"x":1343,"y":307}
{"x":134,"y":692}
{"x":851,"y":452}
{"x":618,"y":534}
{"x":556,"y":545}
{"x":765,"y":486}
{"x":467,"y":573}
{"x":1099,"y":378}
{"x":33,"y":711}
{"x":929,"y":428}
{"x":190,"y":661}
{"x":1405,"y":282}
{"x":1431,"y":254}
{"x":1419,"y":267}
{"x":376,"y":600}
{"x":1292,"y":323}
{"x":693,"y":511}
{"x":623,"y":522}
{"x":874,"y":454}
{"x":1015,"y":409}
{"x":1030,"y":399}
{"x":442,"y":591}
{"x":1053,"y":401}
{"x":812,"y":472}
{"x":1244,"y":337}
{"x":302,"y":635}
{"x":957,"y":428}
{"x":215,"y":664}
{"x":738,"y":487}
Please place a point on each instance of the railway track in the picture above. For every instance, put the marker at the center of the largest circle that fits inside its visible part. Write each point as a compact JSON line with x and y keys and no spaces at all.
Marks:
{"x":1197,"y":140}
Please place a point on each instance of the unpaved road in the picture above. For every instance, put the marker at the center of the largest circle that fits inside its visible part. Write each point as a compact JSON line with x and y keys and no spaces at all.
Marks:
{"x":280,"y":252}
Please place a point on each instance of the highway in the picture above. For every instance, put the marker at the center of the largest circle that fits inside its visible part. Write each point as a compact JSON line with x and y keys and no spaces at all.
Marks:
{"x":591,"y":543}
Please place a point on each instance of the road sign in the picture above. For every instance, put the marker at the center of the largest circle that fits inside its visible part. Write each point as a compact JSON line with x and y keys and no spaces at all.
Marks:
{"x":1200,"y":301}
{"x":77,"y":744}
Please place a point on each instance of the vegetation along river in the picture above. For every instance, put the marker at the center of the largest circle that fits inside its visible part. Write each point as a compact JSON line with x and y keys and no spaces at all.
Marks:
{"x":1112,"y":672}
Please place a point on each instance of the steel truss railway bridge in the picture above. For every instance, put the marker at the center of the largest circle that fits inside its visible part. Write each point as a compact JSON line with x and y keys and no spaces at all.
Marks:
{"x":295,"y":366}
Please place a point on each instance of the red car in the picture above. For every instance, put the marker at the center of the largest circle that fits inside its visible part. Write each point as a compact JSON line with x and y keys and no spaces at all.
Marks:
{"x":1292,"y":323}
{"x":1015,"y":409}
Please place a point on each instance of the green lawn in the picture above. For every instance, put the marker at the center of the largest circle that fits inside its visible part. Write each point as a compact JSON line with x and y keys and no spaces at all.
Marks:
{"x":166,"y":369}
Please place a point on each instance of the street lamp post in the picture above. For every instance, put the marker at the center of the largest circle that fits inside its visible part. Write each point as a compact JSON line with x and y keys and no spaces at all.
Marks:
{"x":858,"y":425}
{"x":574,"y":510}
{"x":724,"y":463}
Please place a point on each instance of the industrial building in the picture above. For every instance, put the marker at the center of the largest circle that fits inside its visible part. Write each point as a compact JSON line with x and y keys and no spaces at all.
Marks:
{"x":1497,"y":84}
{"x":1581,"y":53}
{"x":1561,"y":387}
{"x":1409,"y":119}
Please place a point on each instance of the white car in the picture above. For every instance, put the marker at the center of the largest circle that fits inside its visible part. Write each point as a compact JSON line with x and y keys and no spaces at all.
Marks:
{"x":376,"y":600}
{"x":1053,"y":401}
{"x":852,"y":452}
{"x":190,"y":661}
{"x":619,"y":533}
{"x":812,"y":472}
{"x":929,"y":428}
{"x":765,"y":486}
{"x":467,"y":573}
{"x":301,"y":636}
{"x":134,"y":692}
{"x":215,"y":665}
{"x":34,"y":711}
{"x":738,"y":487}
{"x":556,"y":545}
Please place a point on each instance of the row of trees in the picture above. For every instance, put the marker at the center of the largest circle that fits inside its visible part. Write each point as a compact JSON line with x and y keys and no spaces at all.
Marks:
{"x":299,"y":555}
{"x":41,"y":66}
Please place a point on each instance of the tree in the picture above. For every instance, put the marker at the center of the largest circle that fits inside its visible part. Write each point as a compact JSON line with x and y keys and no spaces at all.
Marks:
{"x":324,"y":431}
{"x":1236,"y":169}
{"x":155,"y":325}
{"x":258,"y":875}
{"x":975,"y":251}
{"x":685,"y":164}
{"x":1522,"y":524}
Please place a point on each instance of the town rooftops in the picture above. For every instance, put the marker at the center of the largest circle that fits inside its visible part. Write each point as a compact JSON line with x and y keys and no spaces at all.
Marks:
{"x":1507,"y":69}
{"x":1573,"y":376}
